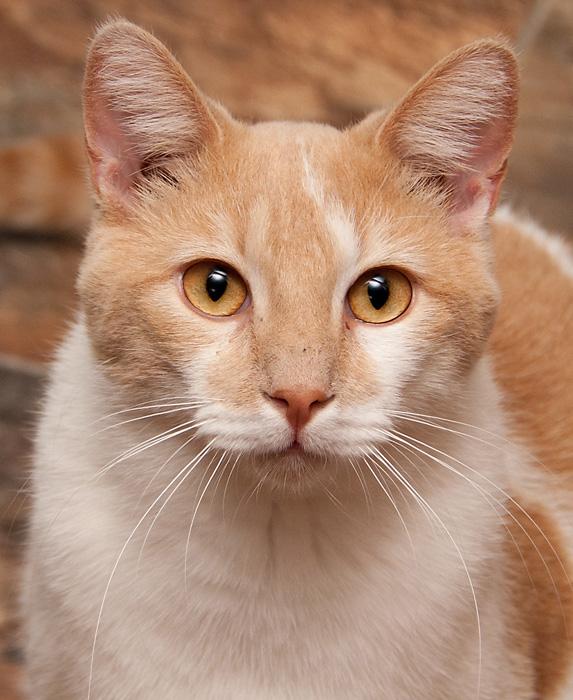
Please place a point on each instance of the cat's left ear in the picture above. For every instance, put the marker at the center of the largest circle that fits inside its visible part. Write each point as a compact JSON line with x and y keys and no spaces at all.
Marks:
{"x":141,"y":112}
{"x":455,"y":128}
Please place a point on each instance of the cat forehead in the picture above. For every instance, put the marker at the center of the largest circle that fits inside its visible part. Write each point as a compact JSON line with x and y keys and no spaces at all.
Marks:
{"x":309,"y":193}
{"x":293,"y":161}
{"x":300,"y":213}
{"x":290,"y":199}
{"x":270,"y":190}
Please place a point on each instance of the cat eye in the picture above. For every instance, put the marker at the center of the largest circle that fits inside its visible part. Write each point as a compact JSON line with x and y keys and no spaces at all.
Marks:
{"x":379,"y":296}
{"x":214,"y":288}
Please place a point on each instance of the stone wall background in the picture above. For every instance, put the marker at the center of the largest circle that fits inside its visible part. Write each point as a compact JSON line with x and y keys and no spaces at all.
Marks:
{"x":327,"y":59}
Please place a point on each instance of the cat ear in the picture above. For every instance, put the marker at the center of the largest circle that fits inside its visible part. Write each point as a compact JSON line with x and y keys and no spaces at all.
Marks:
{"x":455,"y":128}
{"x":141,"y":111}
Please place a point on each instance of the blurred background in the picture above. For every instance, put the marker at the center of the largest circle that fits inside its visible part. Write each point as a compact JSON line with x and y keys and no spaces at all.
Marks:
{"x":325,"y":60}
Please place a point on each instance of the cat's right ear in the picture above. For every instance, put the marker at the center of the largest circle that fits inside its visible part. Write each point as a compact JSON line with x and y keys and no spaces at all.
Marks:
{"x":454,"y":129}
{"x":141,"y":112}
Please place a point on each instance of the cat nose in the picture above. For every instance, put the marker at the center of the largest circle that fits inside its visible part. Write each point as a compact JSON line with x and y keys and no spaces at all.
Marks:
{"x":299,"y":405}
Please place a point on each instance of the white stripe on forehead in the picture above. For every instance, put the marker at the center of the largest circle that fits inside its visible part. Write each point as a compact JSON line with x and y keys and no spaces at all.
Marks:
{"x":338,"y":222}
{"x":311,"y":184}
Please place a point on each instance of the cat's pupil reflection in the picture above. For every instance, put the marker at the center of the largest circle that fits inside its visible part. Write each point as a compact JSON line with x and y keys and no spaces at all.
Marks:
{"x":216,"y":284}
{"x":378,"y":291}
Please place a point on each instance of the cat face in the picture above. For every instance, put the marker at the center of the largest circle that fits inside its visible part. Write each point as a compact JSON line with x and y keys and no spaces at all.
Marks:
{"x":221,"y":263}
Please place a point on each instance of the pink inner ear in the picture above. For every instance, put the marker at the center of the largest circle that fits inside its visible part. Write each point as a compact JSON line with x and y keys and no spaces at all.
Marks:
{"x":475,"y":193}
{"x":474,"y":196}
{"x":114,"y":160}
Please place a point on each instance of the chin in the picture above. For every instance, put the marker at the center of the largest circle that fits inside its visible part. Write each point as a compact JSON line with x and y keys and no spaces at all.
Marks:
{"x":293,"y":470}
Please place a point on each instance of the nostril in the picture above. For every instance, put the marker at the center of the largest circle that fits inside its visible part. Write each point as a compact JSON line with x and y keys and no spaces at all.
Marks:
{"x":319,"y":403}
{"x":277,"y":400}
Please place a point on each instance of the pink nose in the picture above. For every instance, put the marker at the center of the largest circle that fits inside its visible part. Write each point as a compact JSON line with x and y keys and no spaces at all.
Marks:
{"x":299,"y":404}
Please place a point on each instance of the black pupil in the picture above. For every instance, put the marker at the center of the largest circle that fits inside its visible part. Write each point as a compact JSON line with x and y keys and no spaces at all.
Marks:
{"x":216,"y":284}
{"x":378,"y":291}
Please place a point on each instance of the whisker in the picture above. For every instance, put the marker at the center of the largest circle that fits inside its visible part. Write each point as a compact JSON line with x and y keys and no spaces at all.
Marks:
{"x":362,"y":482}
{"x":246,"y":497}
{"x":152,"y":442}
{"x":128,"y":454}
{"x":376,"y":454}
{"x":421,"y":473}
{"x":399,"y":490}
{"x":407,"y":415}
{"x":114,"y":569}
{"x":390,"y":498}
{"x":410,"y":461}
{"x":222,"y":472}
{"x":336,"y":502}
{"x":485,"y":495}
{"x":191,"y":466}
{"x":507,"y":512}
{"x":507,"y":496}
{"x":420,"y":499}
{"x":195,"y":515}
{"x":169,"y":402}
{"x":186,"y":407}
{"x":162,"y":467}
{"x":227,"y":482}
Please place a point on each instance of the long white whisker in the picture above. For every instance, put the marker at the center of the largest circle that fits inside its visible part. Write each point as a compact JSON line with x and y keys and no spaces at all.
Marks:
{"x":227,"y":482}
{"x":162,"y":467}
{"x":406,"y":415}
{"x":393,"y":480}
{"x":169,"y":402}
{"x":195,"y":515}
{"x":190,"y":467}
{"x":486,"y":495}
{"x":423,"y":501}
{"x":422,"y":475}
{"x":114,"y":569}
{"x":489,"y":499}
{"x":151,"y":442}
{"x":336,"y":501}
{"x":147,"y":444}
{"x":384,"y":488}
{"x":186,"y":407}
{"x":362,"y":482}
{"x":222,"y":472}
{"x":411,"y":440}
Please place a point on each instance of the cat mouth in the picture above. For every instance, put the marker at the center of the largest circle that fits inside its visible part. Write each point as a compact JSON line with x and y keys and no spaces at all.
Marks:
{"x":295,"y":447}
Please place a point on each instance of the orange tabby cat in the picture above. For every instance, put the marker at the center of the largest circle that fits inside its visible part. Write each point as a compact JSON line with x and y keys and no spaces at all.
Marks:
{"x":310,"y":435}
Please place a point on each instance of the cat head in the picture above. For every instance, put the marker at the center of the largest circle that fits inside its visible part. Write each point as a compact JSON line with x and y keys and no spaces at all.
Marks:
{"x":299,"y":284}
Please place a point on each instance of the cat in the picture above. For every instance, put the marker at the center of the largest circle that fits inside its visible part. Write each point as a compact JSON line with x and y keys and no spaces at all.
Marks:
{"x":310,"y":434}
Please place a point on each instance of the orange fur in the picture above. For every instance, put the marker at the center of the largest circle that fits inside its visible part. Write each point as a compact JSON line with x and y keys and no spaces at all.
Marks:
{"x":532,"y":365}
{"x":542,"y":589}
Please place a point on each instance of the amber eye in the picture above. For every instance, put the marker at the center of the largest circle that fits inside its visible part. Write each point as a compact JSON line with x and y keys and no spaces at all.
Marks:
{"x":379,"y":296}
{"x":214,"y":288}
